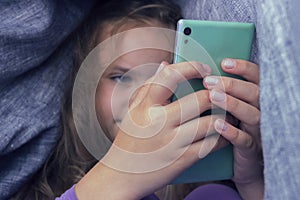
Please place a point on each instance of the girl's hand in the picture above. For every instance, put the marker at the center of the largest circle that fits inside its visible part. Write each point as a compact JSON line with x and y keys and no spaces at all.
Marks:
{"x":157,"y":139}
{"x":241,"y":99}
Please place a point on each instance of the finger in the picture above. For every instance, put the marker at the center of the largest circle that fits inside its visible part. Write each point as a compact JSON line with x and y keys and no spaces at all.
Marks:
{"x":247,"y":153}
{"x":202,"y":148}
{"x":254,"y":131}
{"x":241,"y":140}
{"x":246,"y":91}
{"x":198,"y":129}
{"x":246,"y":69}
{"x":197,"y":151}
{"x":162,"y":85}
{"x":188,"y":107}
{"x":243,"y":111}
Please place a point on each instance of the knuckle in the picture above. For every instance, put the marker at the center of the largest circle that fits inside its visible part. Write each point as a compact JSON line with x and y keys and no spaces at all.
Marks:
{"x":203,"y":127}
{"x":235,"y":135}
{"x":255,"y":120}
{"x":229,"y":85}
{"x":243,"y":66}
{"x":166,"y":72}
{"x":203,"y":96}
{"x":249,"y":143}
{"x":203,"y":99}
{"x":246,"y":64}
{"x":255,"y":94}
{"x":232,"y":104}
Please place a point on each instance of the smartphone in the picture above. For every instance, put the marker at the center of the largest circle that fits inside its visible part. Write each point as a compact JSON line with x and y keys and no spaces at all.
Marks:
{"x":209,"y":42}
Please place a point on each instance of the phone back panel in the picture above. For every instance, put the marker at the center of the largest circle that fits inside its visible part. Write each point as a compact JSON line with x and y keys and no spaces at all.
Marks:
{"x":210,"y":42}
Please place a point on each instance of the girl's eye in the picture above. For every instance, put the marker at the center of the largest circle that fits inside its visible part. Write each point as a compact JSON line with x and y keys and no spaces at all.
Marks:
{"x":121,"y":79}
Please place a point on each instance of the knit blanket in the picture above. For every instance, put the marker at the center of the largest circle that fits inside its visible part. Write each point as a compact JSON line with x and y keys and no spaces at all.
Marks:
{"x":35,"y":61}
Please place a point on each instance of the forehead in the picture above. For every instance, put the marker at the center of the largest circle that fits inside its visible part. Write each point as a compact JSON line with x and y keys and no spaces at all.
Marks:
{"x":136,"y":41}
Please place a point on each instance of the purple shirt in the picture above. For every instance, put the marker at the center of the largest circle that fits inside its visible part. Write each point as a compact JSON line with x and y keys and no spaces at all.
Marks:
{"x":210,"y":191}
{"x":70,"y":195}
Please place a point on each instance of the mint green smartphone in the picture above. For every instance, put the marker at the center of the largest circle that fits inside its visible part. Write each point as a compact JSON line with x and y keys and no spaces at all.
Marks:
{"x":210,"y":42}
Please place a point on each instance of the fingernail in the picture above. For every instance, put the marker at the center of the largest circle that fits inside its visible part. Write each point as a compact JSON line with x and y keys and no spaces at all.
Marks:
{"x":207,"y":69}
{"x":211,"y":81}
{"x":218,"y":96}
{"x":220,"y":125}
{"x":229,"y":63}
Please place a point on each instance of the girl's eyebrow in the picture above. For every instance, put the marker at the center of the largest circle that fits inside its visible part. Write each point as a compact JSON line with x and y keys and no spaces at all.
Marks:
{"x":121,"y":68}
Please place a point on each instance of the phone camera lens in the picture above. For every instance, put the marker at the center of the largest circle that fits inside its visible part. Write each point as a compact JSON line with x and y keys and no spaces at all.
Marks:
{"x":187,"y":31}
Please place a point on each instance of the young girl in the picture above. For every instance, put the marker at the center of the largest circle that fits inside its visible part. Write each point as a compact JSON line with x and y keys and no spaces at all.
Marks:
{"x":71,"y":163}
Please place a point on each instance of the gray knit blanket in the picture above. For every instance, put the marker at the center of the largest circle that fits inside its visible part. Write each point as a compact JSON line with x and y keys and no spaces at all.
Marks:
{"x":36,"y":59}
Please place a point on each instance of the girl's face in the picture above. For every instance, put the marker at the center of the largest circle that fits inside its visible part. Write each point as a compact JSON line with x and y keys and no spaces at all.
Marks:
{"x":125,"y":74}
